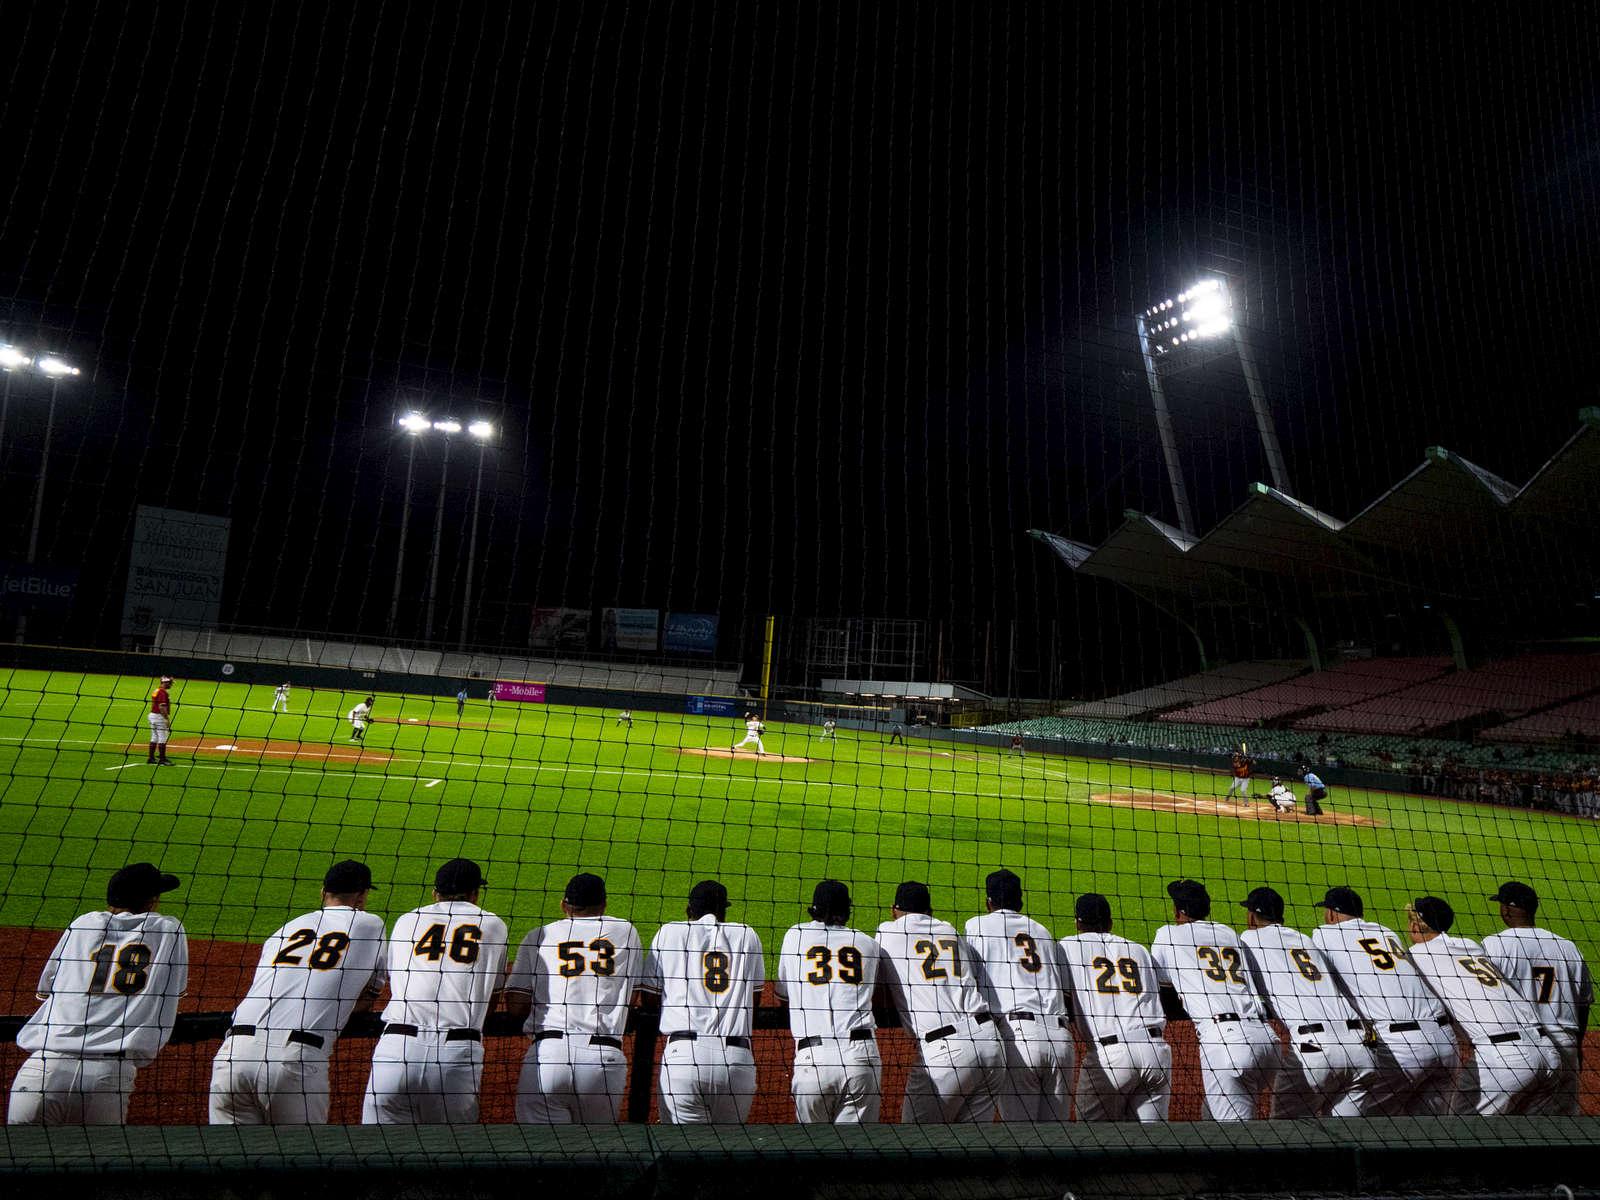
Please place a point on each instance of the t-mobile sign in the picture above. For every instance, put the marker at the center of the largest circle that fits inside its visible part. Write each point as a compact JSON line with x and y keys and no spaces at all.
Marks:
{"x":526,"y":693}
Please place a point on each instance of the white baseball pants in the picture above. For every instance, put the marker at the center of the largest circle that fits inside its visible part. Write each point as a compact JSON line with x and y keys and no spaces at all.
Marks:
{"x":423,"y":1080}
{"x":160,"y":729}
{"x":957,"y":1079}
{"x":249,"y":1087}
{"x":1236,"y":1070}
{"x":838,"y":1082}
{"x":1509,"y":1078}
{"x":58,"y":1089}
{"x":570,"y":1081}
{"x":1037,"y":1085}
{"x":1325,"y":1079}
{"x":706,"y":1082}
{"x":1415,"y":1070}
{"x":748,"y":738}
{"x":1129,"y":1081}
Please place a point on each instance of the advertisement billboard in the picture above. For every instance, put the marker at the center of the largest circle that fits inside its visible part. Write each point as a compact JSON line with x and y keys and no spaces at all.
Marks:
{"x":691,"y":633}
{"x":175,"y":570}
{"x":36,"y":588}
{"x":559,"y":629}
{"x":629,"y":628}
{"x":521,"y":693}
{"x":711,"y":706}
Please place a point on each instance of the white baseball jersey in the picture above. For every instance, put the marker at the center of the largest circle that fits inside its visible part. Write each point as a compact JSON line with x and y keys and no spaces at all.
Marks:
{"x":827,"y":973}
{"x":1547,"y":969}
{"x":1023,"y":969}
{"x":1370,"y":962}
{"x":312,"y":972}
{"x":1295,"y":978}
{"x":1481,"y":1002}
{"x":581,"y":973}
{"x":931,"y":973}
{"x":111,"y":987}
{"x":1205,"y":963}
{"x":281,"y":692}
{"x":709,"y":974}
{"x":446,"y":962}
{"x":1114,"y":987}
{"x":754,"y":727}
{"x":360,"y":712}
{"x":1280,"y":794}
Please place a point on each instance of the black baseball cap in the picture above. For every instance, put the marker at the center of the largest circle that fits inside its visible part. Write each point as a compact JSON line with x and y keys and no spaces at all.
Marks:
{"x":1264,"y":902}
{"x":1190,"y":898}
{"x":347,"y":876}
{"x":458,"y":876}
{"x":1004,"y":888}
{"x":138,"y":883}
{"x":1438,"y":915}
{"x":912,"y":896}
{"x":1518,"y":895}
{"x":585,"y":890}
{"x":1343,"y":900}
{"x":830,"y":899}
{"x":1093,"y":909}
{"x":708,"y":896}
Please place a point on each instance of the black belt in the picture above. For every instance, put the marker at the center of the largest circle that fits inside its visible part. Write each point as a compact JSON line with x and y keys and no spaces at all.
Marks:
{"x":856,"y":1035}
{"x":297,"y":1036}
{"x":1153,"y":1030}
{"x":945,"y":1031}
{"x":688,"y":1035}
{"x":1497,"y":1038}
{"x":544,"y":1035}
{"x":451,"y":1035}
{"x":1412,"y":1026}
{"x":1028,"y":1016}
{"x":1310,"y":1048}
{"x":1219,"y":1018}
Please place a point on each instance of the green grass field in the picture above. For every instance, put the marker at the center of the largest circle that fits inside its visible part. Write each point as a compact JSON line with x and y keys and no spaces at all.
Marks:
{"x":537,"y":792}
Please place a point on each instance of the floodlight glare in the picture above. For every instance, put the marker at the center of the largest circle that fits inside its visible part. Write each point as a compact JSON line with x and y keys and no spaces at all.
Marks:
{"x":448,"y":425}
{"x":481,"y":430}
{"x":11,"y":358}
{"x":55,"y":367}
{"x":414,"y":423}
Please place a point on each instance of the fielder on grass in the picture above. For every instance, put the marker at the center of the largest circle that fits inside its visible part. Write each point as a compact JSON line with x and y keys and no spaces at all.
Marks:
{"x":280,"y":698}
{"x":161,"y":721}
{"x":572,"y":982}
{"x":110,"y":994}
{"x":447,"y":962}
{"x":359,"y":717}
{"x":272,"y":1068}
{"x":827,"y":975}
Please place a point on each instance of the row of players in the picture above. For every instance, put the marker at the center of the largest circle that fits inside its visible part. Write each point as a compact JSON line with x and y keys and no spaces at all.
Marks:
{"x":992,"y":1009}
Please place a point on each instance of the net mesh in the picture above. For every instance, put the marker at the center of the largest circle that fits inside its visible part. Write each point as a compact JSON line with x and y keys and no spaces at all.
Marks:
{"x":766,"y":445}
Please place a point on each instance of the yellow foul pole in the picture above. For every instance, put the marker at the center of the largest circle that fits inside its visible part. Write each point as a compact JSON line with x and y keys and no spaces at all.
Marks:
{"x":766,"y":664}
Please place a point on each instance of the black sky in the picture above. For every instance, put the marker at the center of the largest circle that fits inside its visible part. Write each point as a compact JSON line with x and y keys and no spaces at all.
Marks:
{"x":807,"y":308}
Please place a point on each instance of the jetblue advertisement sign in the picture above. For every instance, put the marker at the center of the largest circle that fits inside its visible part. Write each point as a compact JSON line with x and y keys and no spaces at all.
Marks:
{"x":712,"y":706}
{"x":37,"y":588}
{"x":691,"y":633}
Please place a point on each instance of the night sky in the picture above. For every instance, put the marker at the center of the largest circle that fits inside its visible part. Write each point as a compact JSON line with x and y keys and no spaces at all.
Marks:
{"x":794,"y":308}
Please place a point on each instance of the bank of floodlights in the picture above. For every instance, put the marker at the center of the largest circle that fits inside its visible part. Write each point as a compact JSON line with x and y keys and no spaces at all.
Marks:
{"x":1198,"y":313}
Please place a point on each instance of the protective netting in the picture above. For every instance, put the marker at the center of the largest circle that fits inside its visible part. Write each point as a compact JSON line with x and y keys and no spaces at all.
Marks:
{"x":710,"y":562}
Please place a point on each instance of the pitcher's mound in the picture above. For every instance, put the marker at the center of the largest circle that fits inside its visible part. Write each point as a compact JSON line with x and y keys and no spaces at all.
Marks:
{"x":1212,"y":806}
{"x":713,"y":752}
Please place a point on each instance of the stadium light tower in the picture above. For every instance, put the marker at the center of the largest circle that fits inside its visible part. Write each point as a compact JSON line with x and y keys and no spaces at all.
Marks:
{"x":415,"y":425}
{"x":448,"y":426}
{"x":1170,"y":329}
{"x":483,"y":433}
{"x":12,"y":360}
{"x":56,"y":369}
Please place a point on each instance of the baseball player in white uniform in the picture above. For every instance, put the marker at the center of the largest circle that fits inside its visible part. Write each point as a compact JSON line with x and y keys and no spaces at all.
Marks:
{"x":1329,"y":1071}
{"x":110,"y":992}
{"x":830,"y":729}
{"x":447,"y":962}
{"x":572,"y":981}
{"x":280,"y":698}
{"x":1202,"y":961}
{"x":827,"y":974}
{"x":932,"y":975}
{"x":160,"y":720}
{"x":1126,"y":1073}
{"x":1281,"y":796}
{"x":272,"y":1068}
{"x":709,"y":972}
{"x":1514,"y":1068}
{"x":359,"y":717}
{"x":1415,"y":1050}
{"x":753,"y":729}
{"x":1024,"y":981}
{"x":1550,"y":972}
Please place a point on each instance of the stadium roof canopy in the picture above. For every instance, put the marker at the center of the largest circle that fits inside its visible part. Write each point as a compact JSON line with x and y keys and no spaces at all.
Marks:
{"x":1449,"y":530}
